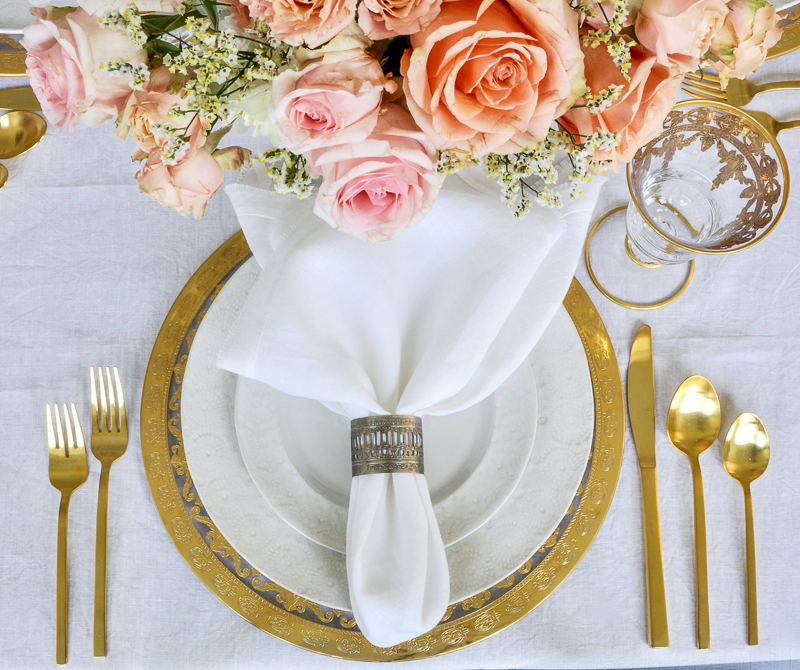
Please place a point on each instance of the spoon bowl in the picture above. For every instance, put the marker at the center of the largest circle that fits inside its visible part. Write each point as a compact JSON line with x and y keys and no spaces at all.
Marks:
{"x":694,"y":416}
{"x":3,"y":175}
{"x":745,"y":453}
{"x":20,"y":132}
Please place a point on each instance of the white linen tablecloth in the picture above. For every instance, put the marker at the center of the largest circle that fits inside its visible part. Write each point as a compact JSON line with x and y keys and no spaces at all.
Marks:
{"x":89,"y":269}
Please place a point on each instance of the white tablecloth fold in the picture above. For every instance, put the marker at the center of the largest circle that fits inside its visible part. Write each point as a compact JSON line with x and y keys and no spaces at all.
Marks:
{"x":431,"y":323}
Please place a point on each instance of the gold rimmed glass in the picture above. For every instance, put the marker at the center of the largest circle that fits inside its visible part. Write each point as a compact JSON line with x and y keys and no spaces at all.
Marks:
{"x":714,"y":182}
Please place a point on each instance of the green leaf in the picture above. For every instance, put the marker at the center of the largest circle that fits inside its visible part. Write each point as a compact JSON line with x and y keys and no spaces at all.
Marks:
{"x":213,"y":139}
{"x":211,"y":8}
{"x":158,"y":24}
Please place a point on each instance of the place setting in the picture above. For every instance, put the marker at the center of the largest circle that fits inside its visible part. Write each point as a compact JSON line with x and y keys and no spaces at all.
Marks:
{"x":384,"y":420}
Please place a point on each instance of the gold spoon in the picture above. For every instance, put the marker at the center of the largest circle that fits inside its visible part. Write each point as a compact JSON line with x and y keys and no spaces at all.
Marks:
{"x":3,"y":175}
{"x":20,"y":132}
{"x":693,"y":423}
{"x":746,"y":456}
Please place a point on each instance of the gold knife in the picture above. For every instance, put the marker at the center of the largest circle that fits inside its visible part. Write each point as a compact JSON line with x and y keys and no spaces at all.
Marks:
{"x":12,"y":62}
{"x":20,"y":97}
{"x":642,"y":412}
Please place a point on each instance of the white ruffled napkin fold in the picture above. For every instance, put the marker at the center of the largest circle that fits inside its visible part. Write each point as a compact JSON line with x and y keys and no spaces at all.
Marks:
{"x":430,"y":323}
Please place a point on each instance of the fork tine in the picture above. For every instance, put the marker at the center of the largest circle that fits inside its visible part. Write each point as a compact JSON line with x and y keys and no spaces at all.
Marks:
{"x":705,"y":77}
{"x":112,"y":404}
{"x":51,"y":436}
{"x":710,"y":90}
{"x":692,"y":94}
{"x":78,"y":430}
{"x":59,"y":431}
{"x":68,"y":429}
{"x":123,"y":415}
{"x":103,"y":404}
{"x":697,"y":92}
{"x":95,"y":418}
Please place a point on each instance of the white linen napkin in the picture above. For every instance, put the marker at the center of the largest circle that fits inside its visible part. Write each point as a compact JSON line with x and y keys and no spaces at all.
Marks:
{"x":430,"y":323}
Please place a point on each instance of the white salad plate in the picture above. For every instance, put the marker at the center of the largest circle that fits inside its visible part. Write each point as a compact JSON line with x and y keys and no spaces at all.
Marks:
{"x":243,"y":515}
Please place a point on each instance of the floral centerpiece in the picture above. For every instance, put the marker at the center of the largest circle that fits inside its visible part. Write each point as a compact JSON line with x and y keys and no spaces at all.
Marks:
{"x":371,"y":103}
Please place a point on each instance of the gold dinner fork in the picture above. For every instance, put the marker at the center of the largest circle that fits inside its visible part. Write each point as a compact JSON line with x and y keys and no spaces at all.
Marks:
{"x":69,"y":469}
{"x":738,"y":92}
{"x":109,"y":442}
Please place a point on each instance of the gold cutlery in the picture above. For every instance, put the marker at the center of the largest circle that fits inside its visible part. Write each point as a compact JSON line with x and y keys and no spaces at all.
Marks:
{"x":19,"y":97}
{"x":641,"y":408}
{"x":109,"y":442}
{"x":738,"y":92}
{"x":693,"y":424}
{"x":69,"y":469}
{"x":3,"y":176}
{"x":19,"y":132}
{"x":12,"y":61}
{"x":773,"y":126}
{"x":746,"y":456}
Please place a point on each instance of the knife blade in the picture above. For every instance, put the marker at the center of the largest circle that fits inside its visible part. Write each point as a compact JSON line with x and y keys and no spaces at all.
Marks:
{"x":642,"y":412}
{"x":19,"y":97}
{"x":12,"y":62}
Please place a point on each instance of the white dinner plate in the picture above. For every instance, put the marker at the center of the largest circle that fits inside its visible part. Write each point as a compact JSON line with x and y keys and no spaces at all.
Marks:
{"x":298,"y":453}
{"x":540,"y":500}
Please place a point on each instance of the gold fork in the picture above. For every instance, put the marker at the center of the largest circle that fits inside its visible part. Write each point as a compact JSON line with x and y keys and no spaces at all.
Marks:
{"x":109,"y":442}
{"x":738,"y":92}
{"x":773,"y":125}
{"x":69,"y":468}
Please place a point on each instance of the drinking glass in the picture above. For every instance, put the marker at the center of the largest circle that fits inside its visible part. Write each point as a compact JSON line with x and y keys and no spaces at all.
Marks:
{"x":715,"y":181}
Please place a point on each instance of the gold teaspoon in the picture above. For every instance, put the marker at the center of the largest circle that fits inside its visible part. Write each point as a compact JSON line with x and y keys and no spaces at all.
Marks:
{"x":693,"y":424}
{"x":3,"y":175}
{"x":746,"y":456}
{"x":20,"y":132}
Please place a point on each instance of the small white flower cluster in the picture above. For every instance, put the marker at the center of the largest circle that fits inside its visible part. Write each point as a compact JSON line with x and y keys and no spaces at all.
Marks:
{"x":586,"y":7}
{"x":138,"y":74}
{"x":174,"y":146}
{"x":581,"y":155}
{"x":620,"y":52}
{"x":450,"y":162}
{"x":619,"y":48}
{"x":267,"y":56}
{"x":596,"y":103}
{"x":291,"y":175}
{"x":127,"y":20}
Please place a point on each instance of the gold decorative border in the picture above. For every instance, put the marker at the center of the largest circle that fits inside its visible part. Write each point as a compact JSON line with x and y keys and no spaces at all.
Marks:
{"x":321,"y":629}
{"x":12,"y":57}
{"x":790,"y":39}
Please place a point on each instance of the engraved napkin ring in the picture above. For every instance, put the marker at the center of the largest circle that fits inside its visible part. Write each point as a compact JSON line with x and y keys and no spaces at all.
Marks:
{"x":380,"y":444}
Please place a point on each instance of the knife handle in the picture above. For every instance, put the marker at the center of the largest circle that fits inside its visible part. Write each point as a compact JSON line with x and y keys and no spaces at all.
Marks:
{"x":657,"y":628}
{"x":700,"y":557}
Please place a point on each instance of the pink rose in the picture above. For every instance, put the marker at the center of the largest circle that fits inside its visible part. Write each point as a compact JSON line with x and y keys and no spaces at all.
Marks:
{"x":376,"y":188}
{"x":638,"y":113}
{"x":381,"y":19}
{"x":491,"y":75}
{"x":298,"y":22}
{"x":151,"y":105}
{"x":186,"y":187}
{"x":741,"y":45}
{"x":679,"y":31}
{"x":65,"y":49}
{"x":332,"y":100}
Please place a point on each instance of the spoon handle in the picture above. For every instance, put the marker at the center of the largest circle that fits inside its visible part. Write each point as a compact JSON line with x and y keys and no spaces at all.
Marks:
{"x":700,"y":557}
{"x":752,"y":606}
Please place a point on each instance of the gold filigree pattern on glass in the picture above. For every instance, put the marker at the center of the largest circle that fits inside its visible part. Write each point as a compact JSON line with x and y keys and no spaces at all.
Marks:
{"x":322,"y":629}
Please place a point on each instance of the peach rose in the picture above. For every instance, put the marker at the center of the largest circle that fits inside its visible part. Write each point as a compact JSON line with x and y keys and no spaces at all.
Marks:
{"x":150,"y":106}
{"x":377,"y":188}
{"x":679,"y":31}
{"x":381,"y":19}
{"x":332,"y":100}
{"x":186,"y":187}
{"x":65,"y":49}
{"x":299,"y":22}
{"x":491,"y":75}
{"x":605,"y":10}
{"x":638,"y":113}
{"x":741,"y":45}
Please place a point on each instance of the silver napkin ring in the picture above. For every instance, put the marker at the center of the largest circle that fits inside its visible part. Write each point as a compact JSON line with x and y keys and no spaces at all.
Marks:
{"x":380,"y":444}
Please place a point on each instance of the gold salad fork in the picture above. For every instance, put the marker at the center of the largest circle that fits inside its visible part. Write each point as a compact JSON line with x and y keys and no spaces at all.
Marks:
{"x":109,"y":442}
{"x":738,"y":92}
{"x":69,"y":469}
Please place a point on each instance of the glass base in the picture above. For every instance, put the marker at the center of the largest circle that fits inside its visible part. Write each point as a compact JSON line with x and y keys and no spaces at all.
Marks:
{"x":649,"y":267}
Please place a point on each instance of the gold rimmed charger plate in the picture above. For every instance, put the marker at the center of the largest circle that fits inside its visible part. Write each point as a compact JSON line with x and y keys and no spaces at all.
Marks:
{"x":790,"y":39}
{"x":322,"y":629}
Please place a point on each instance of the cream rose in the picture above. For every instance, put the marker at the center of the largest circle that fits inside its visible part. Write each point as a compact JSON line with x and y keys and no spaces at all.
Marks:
{"x":332,"y":100}
{"x":491,"y":75}
{"x":65,"y":50}
{"x":298,"y":22}
{"x":679,"y":31}
{"x":377,"y":188}
{"x":381,"y":19}
{"x":638,"y":114}
{"x":741,"y":45}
